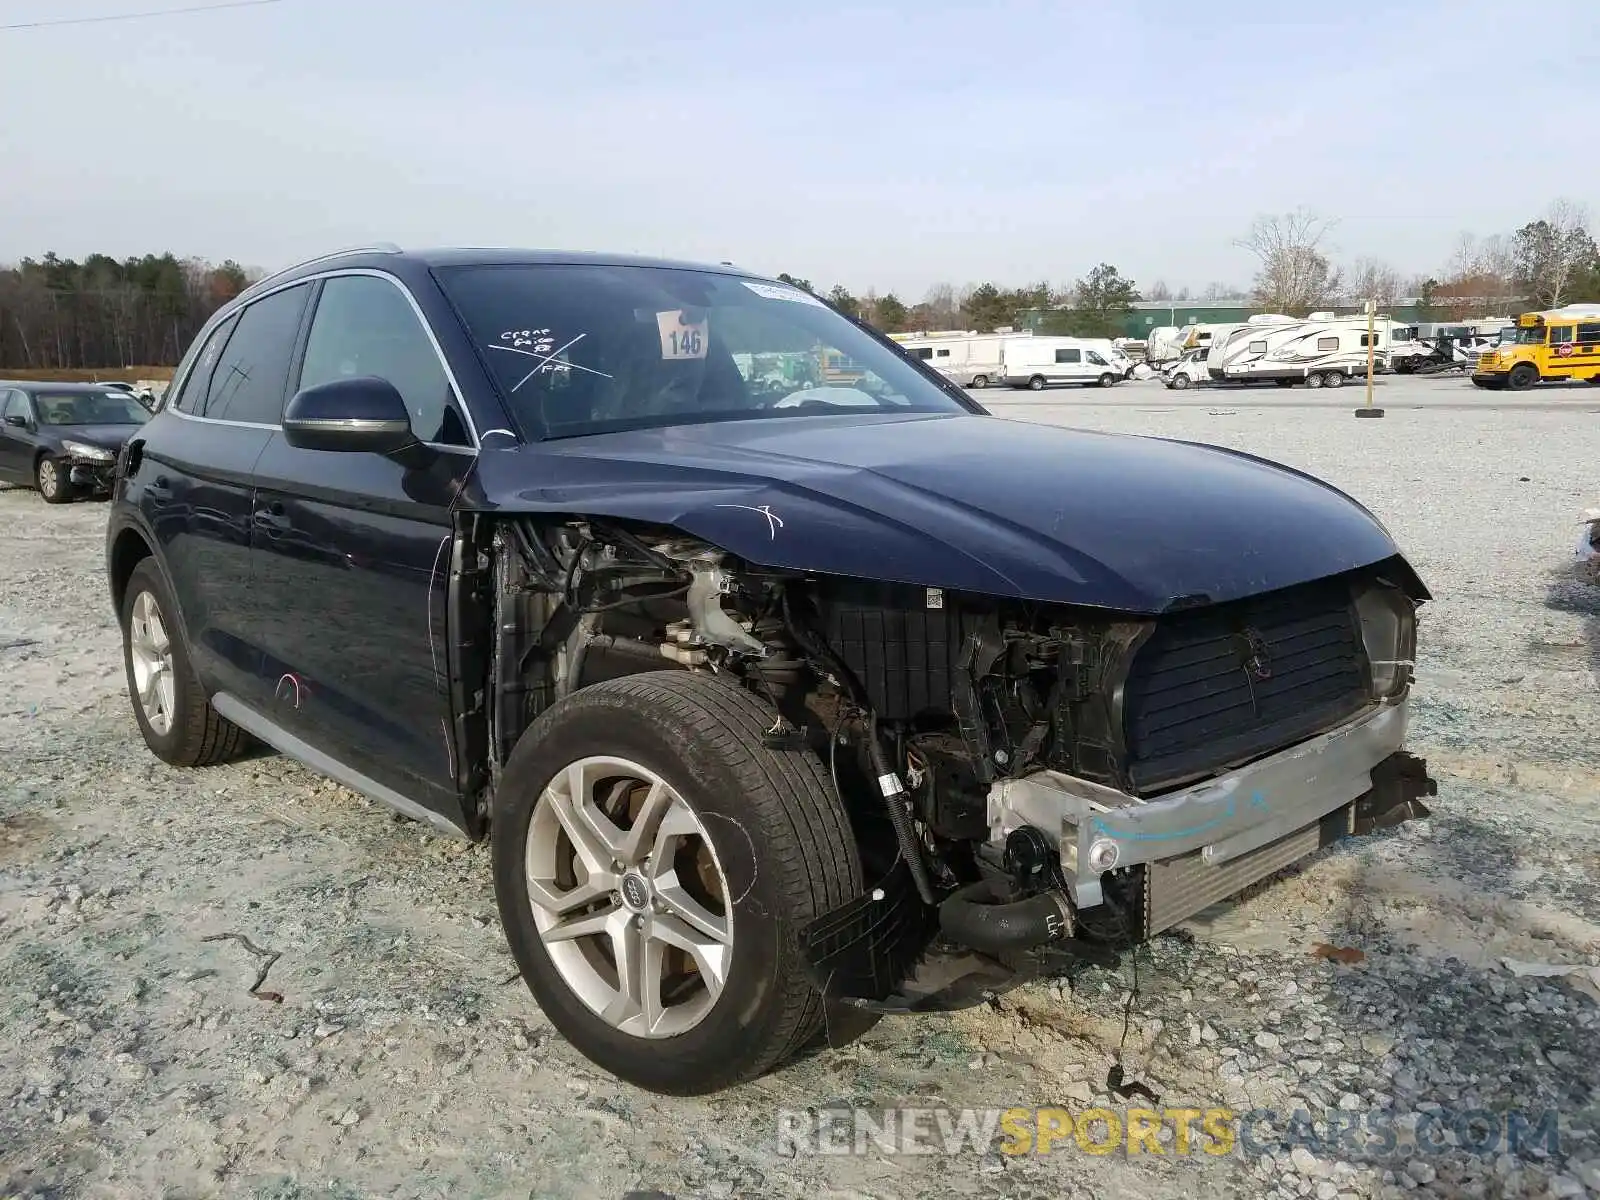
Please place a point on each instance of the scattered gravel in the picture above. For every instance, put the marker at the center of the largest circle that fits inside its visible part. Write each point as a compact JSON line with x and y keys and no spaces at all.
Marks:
{"x":390,"y":1052}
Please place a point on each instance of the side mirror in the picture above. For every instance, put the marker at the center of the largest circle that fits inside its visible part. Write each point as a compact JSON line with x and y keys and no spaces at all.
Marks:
{"x":361,"y":415}
{"x":17,"y":419}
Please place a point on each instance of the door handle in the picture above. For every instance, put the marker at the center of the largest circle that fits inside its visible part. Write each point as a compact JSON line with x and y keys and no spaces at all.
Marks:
{"x":272,"y":518}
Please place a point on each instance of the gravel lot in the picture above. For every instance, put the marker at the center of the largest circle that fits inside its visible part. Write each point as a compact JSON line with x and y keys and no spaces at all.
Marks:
{"x":403,"y":1060}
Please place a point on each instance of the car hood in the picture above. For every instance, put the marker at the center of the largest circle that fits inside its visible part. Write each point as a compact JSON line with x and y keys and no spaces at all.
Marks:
{"x":109,"y":437}
{"x":962,"y":502}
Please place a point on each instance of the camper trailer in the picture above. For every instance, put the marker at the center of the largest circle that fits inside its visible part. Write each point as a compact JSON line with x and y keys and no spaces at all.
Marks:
{"x":1229,"y":343}
{"x":973,"y":360}
{"x":1038,"y":362}
{"x":1321,"y":351}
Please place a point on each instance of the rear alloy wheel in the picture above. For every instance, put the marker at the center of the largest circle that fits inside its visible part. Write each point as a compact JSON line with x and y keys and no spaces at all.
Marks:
{"x":1036,"y":384}
{"x":1314,"y":380}
{"x":1333,"y":379}
{"x":50,"y":476}
{"x":980,"y":382}
{"x":1107,"y":380}
{"x":1523,"y":376}
{"x":175,"y":718}
{"x":654,"y":863}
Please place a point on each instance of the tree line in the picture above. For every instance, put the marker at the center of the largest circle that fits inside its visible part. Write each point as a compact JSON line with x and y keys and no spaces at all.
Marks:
{"x":107,"y":312}
{"x":104,"y":312}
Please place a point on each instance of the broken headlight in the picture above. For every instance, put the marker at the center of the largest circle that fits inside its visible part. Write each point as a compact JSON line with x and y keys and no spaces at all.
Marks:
{"x":1389,"y":632}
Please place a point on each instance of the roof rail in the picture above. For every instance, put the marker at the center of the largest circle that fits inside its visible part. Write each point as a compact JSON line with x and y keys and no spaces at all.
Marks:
{"x":373,"y":248}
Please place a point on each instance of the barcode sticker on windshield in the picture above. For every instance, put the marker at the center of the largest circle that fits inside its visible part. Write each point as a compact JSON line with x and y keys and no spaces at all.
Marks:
{"x":681,"y":337}
{"x":774,"y":291}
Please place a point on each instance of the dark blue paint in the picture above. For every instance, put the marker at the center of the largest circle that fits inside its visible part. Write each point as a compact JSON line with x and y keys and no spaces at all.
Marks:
{"x":329,"y":569}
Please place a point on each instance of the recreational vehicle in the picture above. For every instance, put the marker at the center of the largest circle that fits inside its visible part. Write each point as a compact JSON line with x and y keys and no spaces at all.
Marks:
{"x":973,"y":360}
{"x":1322,"y":351}
{"x":1232,"y":342}
{"x":1037,"y":362}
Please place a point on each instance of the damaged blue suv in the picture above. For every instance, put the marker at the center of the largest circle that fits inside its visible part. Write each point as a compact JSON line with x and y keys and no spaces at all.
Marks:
{"x":781,"y":677}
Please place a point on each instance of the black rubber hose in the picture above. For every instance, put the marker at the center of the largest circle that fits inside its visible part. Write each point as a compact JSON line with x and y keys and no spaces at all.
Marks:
{"x":970,"y":918}
{"x":899,"y":814}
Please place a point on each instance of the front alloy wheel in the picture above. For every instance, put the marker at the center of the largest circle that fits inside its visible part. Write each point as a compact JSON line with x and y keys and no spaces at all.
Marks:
{"x":50,"y":476}
{"x":628,"y":897}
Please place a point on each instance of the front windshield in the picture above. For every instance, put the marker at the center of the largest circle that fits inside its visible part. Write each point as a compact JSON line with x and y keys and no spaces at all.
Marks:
{"x":582,"y":349}
{"x":1530,"y":337}
{"x":89,"y":408}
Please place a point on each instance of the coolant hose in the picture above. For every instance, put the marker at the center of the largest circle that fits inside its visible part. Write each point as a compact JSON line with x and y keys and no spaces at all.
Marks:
{"x":897,"y":801}
{"x":971,"y":918}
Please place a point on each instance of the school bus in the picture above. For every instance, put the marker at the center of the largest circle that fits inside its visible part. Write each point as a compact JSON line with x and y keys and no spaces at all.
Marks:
{"x":1563,"y":343}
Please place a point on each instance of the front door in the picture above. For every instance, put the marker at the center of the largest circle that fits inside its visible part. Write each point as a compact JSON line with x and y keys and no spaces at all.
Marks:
{"x":16,"y":440}
{"x":351,"y":558}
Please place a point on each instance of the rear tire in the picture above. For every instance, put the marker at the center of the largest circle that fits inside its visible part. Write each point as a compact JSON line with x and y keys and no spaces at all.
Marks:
{"x":1523,"y":376}
{"x":1036,"y":384}
{"x":1314,"y":380}
{"x":174,"y":715}
{"x":781,"y":853}
{"x":50,"y":477}
{"x":1333,"y":379}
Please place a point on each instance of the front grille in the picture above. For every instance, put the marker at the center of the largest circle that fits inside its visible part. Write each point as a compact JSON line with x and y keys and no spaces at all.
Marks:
{"x":1218,"y":686}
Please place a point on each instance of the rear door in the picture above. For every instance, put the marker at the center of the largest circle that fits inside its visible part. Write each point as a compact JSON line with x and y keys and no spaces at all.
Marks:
{"x":193,"y":480}
{"x":351,"y":556}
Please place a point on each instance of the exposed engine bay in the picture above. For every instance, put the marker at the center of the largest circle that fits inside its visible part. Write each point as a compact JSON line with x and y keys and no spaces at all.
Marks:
{"x":1017,"y":775}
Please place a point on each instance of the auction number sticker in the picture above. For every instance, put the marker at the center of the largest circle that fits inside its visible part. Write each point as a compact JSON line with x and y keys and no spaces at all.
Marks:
{"x":681,"y":337}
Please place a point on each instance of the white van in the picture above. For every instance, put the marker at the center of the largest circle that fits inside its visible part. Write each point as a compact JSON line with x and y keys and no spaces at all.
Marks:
{"x":971,"y":359}
{"x":1037,"y":362}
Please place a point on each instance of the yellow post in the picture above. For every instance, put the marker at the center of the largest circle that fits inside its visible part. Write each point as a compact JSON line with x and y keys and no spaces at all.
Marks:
{"x":1372,"y":354}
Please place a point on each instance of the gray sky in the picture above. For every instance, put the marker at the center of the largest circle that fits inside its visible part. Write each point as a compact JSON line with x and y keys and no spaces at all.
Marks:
{"x":893,"y":145}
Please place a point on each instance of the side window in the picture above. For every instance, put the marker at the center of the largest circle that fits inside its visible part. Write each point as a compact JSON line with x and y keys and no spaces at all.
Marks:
{"x":1374,"y":340}
{"x":924,"y":352}
{"x":251,"y":373}
{"x":1560,"y":333}
{"x":365,"y":326}
{"x":193,"y":396}
{"x":15,"y":404}
{"x":1327,"y":344}
{"x":1257,"y":347}
{"x":1069,"y":356}
{"x":1589,"y":332}
{"x":1095,"y":358}
{"x":944,"y":353}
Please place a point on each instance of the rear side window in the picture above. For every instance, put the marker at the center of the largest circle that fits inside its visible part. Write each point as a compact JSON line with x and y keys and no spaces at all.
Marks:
{"x":192,"y":398}
{"x":1069,"y":356}
{"x":1589,"y":333}
{"x":253,"y":371}
{"x":366,"y":326}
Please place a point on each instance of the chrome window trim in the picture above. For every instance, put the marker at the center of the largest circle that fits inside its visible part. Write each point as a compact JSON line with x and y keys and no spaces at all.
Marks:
{"x":242,"y":302}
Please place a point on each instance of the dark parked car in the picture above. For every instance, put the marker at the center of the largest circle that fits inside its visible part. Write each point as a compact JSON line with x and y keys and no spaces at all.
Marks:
{"x":768,"y":696}
{"x":63,"y":438}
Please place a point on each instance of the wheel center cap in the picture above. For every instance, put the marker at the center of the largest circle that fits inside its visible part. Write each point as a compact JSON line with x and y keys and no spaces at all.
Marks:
{"x":635,"y":891}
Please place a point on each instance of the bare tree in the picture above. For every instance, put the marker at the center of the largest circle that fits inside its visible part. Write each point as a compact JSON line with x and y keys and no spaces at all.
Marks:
{"x":1160,"y":291}
{"x":1370,"y":279}
{"x":1294,"y":273}
{"x":1550,"y":254}
{"x":1221,"y":291}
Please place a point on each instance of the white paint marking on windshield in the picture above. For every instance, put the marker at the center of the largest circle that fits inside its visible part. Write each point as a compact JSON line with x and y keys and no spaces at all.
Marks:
{"x":544,"y":360}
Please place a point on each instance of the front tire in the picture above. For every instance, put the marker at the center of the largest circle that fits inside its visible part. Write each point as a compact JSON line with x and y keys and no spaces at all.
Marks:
{"x":1179,"y":382}
{"x":50,"y":477}
{"x":654,"y":864}
{"x":174,"y":715}
{"x":1314,"y":381}
{"x":981,"y":382}
{"x":1333,"y":379}
{"x":1523,"y":376}
{"x":1107,"y":380}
